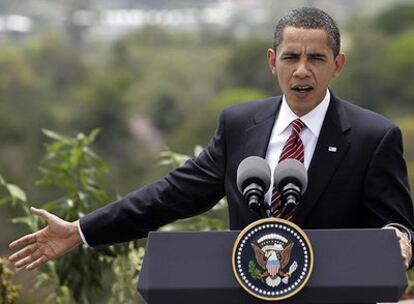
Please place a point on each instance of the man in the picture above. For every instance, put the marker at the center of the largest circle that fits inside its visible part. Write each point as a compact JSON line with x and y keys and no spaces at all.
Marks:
{"x":357,"y":175}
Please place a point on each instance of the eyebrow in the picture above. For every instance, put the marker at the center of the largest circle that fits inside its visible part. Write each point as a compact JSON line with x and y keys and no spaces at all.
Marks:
{"x":289,"y":54}
{"x":317,"y":55}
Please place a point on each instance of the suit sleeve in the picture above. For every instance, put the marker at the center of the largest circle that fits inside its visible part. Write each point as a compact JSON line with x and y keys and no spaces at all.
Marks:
{"x":387,"y":195}
{"x":187,"y":191}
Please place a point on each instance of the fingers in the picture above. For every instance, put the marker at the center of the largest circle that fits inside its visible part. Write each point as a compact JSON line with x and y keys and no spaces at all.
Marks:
{"x":400,"y":235}
{"x":405,"y":245}
{"x":25,"y":240}
{"x":397,"y":231}
{"x":26,"y":261}
{"x":36,"y":264}
{"x":21,"y":254}
{"x":406,"y":251}
{"x":30,"y":238}
{"x":29,"y":258}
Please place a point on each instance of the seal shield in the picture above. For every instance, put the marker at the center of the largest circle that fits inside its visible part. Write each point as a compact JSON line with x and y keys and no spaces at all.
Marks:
{"x":272,"y":259}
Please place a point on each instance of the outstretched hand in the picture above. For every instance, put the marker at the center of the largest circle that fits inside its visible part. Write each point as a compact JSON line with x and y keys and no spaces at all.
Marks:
{"x":54,"y":240}
{"x":405,"y":245}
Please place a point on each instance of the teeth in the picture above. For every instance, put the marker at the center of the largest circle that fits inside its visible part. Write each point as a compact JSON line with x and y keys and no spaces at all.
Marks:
{"x":302,"y":87}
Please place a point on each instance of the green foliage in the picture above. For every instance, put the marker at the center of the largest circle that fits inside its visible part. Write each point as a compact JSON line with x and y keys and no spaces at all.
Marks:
{"x":15,"y":193}
{"x":364,"y":70}
{"x":173,"y":159}
{"x":407,"y":127}
{"x":409,"y":292}
{"x":9,"y":290}
{"x":247,"y":66}
{"x":199,"y":128}
{"x":17,"y":197}
{"x":400,"y":66}
{"x":77,"y":172}
{"x":49,"y":55}
{"x":406,"y":124}
{"x":126,"y":268}
{"x":378,"y":69}
{"x":17,"y":74}
{"x":60,"y":294}
{"x":395,"y":19}
{"x":165,"y":112}
{"x":213,"y":220}
{"x":253,"y":270}
{"x":71,"y":166}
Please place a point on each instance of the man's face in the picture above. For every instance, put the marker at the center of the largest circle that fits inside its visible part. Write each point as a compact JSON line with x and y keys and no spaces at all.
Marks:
{"x":304,"y":65}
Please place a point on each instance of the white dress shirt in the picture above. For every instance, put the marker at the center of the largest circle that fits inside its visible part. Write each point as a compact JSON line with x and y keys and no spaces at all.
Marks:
{"x":281,"y":131}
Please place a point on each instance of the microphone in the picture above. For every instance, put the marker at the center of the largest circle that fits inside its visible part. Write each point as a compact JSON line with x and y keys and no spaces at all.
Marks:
{"x":291,"y":180}
{"x":253,"y":181}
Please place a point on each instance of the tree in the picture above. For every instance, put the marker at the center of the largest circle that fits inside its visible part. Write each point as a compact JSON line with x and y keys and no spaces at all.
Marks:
{"x":399,"y":64}
{"x":396,"y":19}
{"x":247,"y":65}
{"x":199,"y":128}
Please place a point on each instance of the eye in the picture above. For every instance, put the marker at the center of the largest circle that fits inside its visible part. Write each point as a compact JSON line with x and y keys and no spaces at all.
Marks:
{"x":289,"y":57}
{"x":318,"y":58}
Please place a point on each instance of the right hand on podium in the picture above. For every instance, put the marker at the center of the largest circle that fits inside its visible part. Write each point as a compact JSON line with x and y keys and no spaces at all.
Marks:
{"x":54,"y":240}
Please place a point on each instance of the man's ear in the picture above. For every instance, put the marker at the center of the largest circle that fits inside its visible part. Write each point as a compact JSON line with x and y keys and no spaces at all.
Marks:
{"x":271,"y":59}
{"x":339,"y":63}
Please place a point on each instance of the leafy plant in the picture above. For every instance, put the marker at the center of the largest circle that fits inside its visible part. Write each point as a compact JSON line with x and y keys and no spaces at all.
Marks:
{"x":70,"y":166}
{"x":213,"y":220}
{"x":9,"y":290}
{"x":126,"y":268}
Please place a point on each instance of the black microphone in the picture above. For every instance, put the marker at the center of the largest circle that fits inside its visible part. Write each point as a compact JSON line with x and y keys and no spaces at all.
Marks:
{"x":253,"y":181}
{"x":291,"y":180}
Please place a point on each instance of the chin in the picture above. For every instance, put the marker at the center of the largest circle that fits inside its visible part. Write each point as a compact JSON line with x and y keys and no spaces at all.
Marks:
{"x":301,"y":106}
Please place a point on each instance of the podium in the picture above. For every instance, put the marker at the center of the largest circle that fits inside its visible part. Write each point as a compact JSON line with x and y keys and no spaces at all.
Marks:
{"x":350,"y":266}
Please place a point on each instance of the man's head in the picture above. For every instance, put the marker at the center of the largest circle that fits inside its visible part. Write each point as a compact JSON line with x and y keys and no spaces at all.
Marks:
{"x":305,"y":57}
{"x":309,"y":18}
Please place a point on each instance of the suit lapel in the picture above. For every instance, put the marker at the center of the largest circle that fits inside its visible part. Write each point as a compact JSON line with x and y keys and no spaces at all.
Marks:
{"x":258,"y":134}
{"x":331,"y":147}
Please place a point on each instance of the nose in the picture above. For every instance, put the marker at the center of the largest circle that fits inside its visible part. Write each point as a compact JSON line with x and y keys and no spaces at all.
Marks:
{"x":302,"y":70}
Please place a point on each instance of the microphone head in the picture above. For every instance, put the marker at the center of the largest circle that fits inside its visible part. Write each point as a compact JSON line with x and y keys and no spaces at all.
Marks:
{"x":291,"y":170}
{"x":253,"y":169}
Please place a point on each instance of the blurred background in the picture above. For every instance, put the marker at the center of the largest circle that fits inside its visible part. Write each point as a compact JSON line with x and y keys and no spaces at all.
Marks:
{"x":153,"y":76}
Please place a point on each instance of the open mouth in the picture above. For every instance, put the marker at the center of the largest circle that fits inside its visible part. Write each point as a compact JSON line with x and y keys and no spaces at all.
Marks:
{"x":302,"y":88}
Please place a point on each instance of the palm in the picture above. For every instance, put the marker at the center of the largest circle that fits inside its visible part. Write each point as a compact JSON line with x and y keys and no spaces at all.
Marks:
{"x":49,"y":239}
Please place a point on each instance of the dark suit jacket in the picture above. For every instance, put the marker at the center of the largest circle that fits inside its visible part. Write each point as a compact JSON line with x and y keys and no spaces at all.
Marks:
{"x":362,"y":185}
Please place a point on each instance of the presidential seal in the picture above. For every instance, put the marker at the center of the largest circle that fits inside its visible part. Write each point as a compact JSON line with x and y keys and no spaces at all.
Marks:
{"x":272,"y":259}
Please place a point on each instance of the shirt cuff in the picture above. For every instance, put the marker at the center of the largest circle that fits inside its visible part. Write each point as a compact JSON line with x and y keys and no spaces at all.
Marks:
{"x":81,"y":234}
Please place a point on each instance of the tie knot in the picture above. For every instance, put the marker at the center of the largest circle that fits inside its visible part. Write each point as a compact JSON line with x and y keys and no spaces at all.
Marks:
{"x":297,"y":125}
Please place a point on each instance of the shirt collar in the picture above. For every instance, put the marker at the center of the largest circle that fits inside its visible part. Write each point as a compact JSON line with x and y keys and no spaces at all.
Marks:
{"x":313,"y":120}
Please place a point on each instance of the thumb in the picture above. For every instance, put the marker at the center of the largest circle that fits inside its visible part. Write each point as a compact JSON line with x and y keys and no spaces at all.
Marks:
{"x":396,"y":230}
{"x":42,"y":213}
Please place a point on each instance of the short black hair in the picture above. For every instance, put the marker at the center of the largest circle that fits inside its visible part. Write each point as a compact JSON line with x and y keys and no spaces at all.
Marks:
{"x":309,"y":18}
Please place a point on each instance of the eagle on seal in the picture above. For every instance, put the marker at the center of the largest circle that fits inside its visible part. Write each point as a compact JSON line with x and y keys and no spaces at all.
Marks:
{"x":273,"y":258}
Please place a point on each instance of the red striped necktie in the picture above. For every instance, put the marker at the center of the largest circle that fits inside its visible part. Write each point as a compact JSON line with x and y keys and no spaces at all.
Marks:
{"x":293,"y":148}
